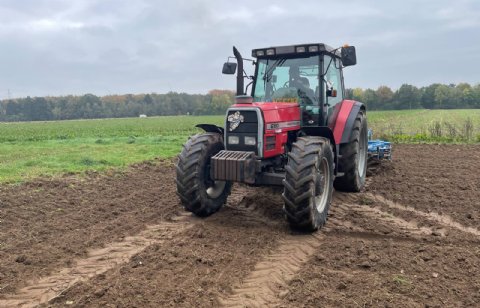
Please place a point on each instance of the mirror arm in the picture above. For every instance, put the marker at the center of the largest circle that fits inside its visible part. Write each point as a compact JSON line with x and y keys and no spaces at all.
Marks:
{"x":249,"y":84}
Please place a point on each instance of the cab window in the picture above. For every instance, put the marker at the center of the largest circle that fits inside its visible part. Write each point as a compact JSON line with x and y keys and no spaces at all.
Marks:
{"x":288,"y":80}
{"x":333,"y":92}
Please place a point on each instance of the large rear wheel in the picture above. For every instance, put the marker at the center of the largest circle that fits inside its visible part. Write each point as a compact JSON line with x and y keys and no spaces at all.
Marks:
{"x":353,"y":161}
{"x":308,"y":183}
{"x":198,"y":193}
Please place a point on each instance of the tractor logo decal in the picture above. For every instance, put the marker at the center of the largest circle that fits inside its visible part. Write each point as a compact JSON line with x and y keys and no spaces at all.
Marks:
{"x":234,"y":120}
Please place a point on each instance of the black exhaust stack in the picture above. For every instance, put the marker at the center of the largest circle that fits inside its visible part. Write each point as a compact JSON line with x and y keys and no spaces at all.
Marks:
{"x":240,"y":89}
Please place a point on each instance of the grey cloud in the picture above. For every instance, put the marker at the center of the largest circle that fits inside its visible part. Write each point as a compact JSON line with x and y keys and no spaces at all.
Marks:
{"x":62,"y":47}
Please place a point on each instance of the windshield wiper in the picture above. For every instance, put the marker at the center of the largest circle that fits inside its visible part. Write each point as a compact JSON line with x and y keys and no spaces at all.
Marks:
{"x":269,"y":72}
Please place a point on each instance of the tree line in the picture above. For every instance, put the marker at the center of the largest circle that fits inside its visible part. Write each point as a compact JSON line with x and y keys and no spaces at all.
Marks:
{"x":434,"y":96}
{"x":89,"y":106}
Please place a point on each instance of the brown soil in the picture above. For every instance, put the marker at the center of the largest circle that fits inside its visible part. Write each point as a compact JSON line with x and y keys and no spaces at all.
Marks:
{"x":440,"y":178}
{"x":122,"y":239}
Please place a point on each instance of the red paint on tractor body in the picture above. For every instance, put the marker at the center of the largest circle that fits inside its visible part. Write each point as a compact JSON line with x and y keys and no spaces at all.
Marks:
{"x":339,"y":119}
{"x":283,"y":114}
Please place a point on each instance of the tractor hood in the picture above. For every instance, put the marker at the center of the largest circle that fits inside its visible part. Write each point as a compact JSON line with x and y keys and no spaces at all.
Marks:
{"x":283,"y":114}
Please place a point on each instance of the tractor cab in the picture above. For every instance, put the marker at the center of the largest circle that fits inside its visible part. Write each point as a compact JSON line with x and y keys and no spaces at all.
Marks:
{"x":309,"y":75}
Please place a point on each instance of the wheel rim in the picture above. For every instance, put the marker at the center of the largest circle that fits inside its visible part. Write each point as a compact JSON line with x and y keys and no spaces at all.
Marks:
{"x":362,"y":153}
{"x":215,"y":190}
{"x":322,"y":184}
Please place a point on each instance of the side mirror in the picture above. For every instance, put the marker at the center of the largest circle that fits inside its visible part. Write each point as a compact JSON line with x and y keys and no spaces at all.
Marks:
{"x":229,"y":68}
{"x":331,"y":93}
{"x":349,"y":57}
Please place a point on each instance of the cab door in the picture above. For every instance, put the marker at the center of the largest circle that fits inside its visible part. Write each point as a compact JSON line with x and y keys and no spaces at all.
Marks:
{"x":333,"y":93}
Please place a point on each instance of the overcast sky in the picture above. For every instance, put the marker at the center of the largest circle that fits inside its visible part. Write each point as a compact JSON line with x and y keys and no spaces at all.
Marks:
{"x":58,"y":47}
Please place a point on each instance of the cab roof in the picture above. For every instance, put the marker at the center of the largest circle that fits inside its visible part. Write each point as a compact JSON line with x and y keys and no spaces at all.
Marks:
{"x":297,"y":50}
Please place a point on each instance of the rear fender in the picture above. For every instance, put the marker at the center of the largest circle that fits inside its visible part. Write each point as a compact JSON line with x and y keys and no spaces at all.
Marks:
{"x":342,"y":130}
{"x":210,"y":128}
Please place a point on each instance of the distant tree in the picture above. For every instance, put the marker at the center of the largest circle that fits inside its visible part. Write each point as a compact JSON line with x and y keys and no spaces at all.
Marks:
{"x":428,"y":96}
{"x":476,"y":95}
{"x":407,"y":97}
{"x":147,"y":99}
{"x":384,"y":96}
{"x":358,"y":94}
{"x":40,"y":110}
{"x":370,"y":99}
{"x":443,"y":96}
{"x":463,"y":86}
{"x":12,"y":108}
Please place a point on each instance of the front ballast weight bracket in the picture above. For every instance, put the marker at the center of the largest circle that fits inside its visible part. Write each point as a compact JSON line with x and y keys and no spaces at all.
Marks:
{"x":233,"y":166}
{"x":242,"y":167}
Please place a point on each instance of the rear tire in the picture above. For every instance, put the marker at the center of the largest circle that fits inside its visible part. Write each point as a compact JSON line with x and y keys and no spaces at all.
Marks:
{"x":353,"y":162}
{"x":198,"y":193}
{"x":308,"y":183}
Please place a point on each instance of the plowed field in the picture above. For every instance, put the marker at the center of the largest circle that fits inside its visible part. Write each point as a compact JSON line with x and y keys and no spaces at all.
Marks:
{"x":121,"y":239}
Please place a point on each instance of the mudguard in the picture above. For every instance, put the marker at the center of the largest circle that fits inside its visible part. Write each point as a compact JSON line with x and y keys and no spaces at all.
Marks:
{"x":210,"y":128}
{"x":345,"y":120}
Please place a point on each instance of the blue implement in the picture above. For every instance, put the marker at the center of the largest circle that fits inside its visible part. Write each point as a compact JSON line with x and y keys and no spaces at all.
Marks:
{"x":378,"y":149}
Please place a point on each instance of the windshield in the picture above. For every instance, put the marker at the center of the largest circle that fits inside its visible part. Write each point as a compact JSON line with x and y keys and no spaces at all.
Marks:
{"x":288,"y":80}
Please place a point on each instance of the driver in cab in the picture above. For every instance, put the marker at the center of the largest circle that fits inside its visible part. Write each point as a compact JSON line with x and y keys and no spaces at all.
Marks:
{"x":305,"y":93}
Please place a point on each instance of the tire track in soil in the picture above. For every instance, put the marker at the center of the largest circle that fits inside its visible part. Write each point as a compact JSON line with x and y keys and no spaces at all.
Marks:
{"x":267,"y":284}
{"x":432,"y":216}
{"x":99,"y":261}
{"x":348,"y":203}
{"x":268,"y":280}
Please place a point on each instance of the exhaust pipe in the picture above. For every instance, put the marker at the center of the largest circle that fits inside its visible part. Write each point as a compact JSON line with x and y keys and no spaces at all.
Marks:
{"x":240,"y":89}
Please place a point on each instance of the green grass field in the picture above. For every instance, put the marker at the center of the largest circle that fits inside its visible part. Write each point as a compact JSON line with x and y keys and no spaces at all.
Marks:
{"x":444,"y":126}
{"x":29,"y":150}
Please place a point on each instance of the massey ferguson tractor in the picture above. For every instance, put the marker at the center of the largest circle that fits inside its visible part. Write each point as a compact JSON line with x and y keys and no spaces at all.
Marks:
{"x":292,"y":128}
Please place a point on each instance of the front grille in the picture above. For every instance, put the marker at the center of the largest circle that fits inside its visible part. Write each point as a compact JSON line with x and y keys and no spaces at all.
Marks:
{"x":248,"y":127}
{"x":249,"y":123}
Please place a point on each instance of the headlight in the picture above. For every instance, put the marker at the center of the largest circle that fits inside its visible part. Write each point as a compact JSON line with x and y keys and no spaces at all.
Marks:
{"x":250,"y":141}
{"x":233,"y":140}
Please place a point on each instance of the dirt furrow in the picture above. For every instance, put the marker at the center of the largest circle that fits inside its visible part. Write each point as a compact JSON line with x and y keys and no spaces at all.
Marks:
{"x":193,"y":269}
{"x":97,"y":262}
{"x":441,"y":219}
{"x":268,"y":281}
{"x":402,"y":225}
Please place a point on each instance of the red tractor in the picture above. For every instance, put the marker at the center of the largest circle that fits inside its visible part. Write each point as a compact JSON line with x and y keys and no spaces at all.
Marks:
{"x":295,"y":129}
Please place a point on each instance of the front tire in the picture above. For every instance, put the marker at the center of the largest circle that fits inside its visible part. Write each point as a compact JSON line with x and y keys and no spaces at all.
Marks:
{"x":198,"y":193}
{"x":353,"y":162}
{"x":308,"y":183}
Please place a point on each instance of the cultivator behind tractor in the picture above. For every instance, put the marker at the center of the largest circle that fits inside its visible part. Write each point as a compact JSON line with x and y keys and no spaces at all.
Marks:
{"x":378,"y":149}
